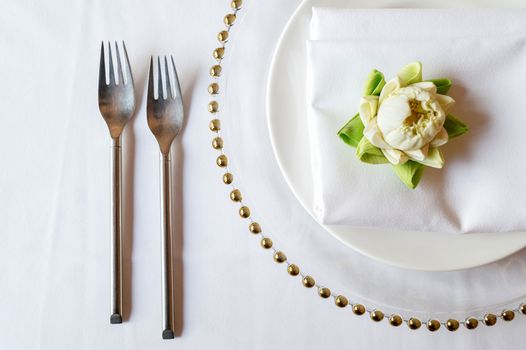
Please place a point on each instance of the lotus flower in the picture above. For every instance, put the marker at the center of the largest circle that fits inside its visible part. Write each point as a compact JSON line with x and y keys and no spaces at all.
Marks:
{"x":404,"y":122}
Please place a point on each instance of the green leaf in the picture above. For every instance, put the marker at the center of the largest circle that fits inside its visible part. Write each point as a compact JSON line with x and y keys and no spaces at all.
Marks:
{"x":352,"y":132}
{"x":442,"y":84}
{"x":368,"y":153}
{"x":410,"y":74}
{"x":410,"y":173}
{"x":454,"y":126}
{"x":374,"y":84}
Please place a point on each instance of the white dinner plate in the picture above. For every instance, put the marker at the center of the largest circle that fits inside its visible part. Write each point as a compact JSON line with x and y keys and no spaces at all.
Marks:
{"x":286,"y":108}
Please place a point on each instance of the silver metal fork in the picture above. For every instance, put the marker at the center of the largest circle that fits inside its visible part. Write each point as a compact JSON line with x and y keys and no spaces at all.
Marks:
{"x":117,"y":105}
{"x":165,"y":119}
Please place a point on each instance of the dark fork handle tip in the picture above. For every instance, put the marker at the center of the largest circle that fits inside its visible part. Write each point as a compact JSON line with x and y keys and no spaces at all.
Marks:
{"x":115,"y":319}
{"x":168,"y":334}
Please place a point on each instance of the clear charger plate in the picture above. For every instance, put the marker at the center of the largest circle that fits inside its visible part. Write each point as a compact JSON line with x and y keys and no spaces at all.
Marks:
{"x":243,"y":99}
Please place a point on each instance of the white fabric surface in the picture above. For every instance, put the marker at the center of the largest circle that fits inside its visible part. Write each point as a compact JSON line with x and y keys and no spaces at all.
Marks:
{"x":54,"y":206}
{"x":487,"y":65}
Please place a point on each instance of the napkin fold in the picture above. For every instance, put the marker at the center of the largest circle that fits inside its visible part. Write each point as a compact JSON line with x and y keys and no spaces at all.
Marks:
{"x":482,"y":187}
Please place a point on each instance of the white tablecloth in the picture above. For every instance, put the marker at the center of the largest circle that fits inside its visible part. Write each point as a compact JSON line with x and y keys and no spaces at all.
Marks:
{"x":54,"y":205}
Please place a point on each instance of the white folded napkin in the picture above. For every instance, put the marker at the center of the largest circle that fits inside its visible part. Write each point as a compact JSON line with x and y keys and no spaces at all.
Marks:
{"x":339,"y":24}
{"x":482,"y":187}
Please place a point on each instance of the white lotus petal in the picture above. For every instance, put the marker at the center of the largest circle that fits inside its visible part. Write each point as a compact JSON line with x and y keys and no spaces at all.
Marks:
{"x":426,"y":85}
{"x":392,"y":113}
{"x":368,"y":108}
{"x":374,"y":135}
{"x":434,"y":158}
{"x":441,"y":139}
{"x":419,"y":154}
{"x":392,"y":85}
{"x":446,"y":102}
{"x":394,"y":156}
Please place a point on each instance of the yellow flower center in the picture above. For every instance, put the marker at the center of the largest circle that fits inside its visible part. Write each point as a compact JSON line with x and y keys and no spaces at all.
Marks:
{"x":417,"y":121}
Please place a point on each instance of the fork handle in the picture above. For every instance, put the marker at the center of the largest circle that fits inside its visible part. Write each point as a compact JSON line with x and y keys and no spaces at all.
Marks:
{"x":166,"y":242}
{"x":116,"y":231}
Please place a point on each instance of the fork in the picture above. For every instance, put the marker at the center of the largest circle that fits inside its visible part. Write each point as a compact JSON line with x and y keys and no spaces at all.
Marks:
{"x":116,"y":105}
{"x":165,"y":119}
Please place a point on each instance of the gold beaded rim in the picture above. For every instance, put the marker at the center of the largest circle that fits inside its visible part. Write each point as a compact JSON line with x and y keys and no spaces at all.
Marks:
{"x":341,"y":301}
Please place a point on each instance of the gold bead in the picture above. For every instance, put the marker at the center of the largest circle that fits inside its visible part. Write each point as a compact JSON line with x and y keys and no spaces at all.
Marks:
{"x":222,"y":161}
{"x":236,"y":196}
{"x":236,"y":4}
{"x":213,"y":107}
{"x":377,"y":315}
{"x":244,"y":212}
{"x":215,"y":71}
{"x":219,"y":53}
{"x":254,"y":228}
{"x":452,"y":325}
{"x":358,"y":309}
{"x":293,"y":270}
{"x":341,"y":301}
{"x":324,"y":292}
{"x":213,"y":89}
{"x":222,"y":36}
{"x":471,"y":323}
{"x":217,"y":143}
{"x":215,"y":125}
{"x":414,"y":323}
{"x":308,"y":281}
{"x":522,"y":309}
{"x":395,"y":320}
{"x":230,"y":19}
{"x":280,"y":257}
{"x":433,"y":325}
{"x":490,"y":320}
{"x":508,"y":315}
{"x":266,"y":243}
{"x":228,"y":178}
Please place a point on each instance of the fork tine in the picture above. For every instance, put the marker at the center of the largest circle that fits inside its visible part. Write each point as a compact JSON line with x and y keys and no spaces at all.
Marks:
{"x":178,"y":96}
{"x":169,"y":91}
{"x":160,"y":95}
{"x":129,"y":77}
{"x":102,"y":68}
{"x":119,"y":66}
{"x":150,"y":81}
{"x":110,"y":62}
